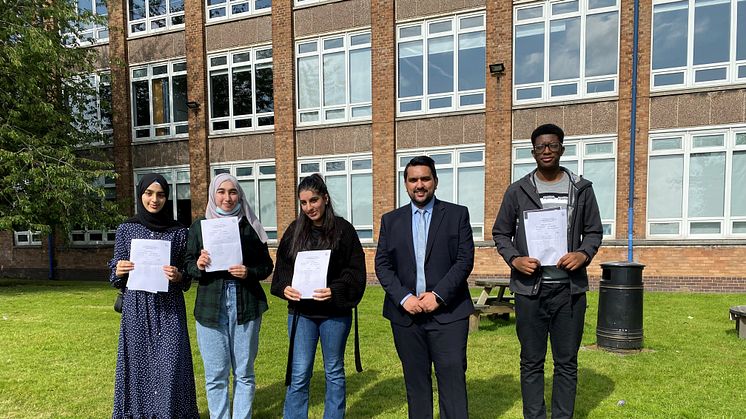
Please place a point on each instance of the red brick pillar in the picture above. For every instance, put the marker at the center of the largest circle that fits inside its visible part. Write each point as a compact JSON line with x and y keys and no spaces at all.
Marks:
{"x":121,"y":109}
{"x":383,"y":48}
{"x":624,"y":123}
{"x":199,"y":146}
{"x":284,"y":88}
{"x":498,"y":130}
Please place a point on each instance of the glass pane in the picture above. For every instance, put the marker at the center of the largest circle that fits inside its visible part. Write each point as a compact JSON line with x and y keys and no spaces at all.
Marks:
{"x":403,"y":196}
{"x":670,"y":29}
{"x":741,"y":31}
{"x":565,"y":7}
{"x":596,"y":4}
{"x":362,"y":112}
{"x":337,"y":186}
{"x":439,"y":27}
{"x":362,"y":199}
{"x":471,"y":100}
{"x":267,"y":170}
{"x":441,"y":159}
{"x":664,"y":228}
{"x":410,"y":106}
{"x":470,"y":156}
{"x":141,"y":92}
{"x":241,"y":58}
{"x":219,"y":96}
{"x":665,"y":186}
{"x":706,"y":185}
{"x":471,"y":22}
{"x":410,"y":69}
{"x":264,"y":90}
{"x":525,"y":153}
{"x":737,"y":180}
{"x":531,"y":93}
{"x":440,"y":65}
{"x":601,"y":148}
{"x":181,"y":112}
{"x":307,"y":47}
{"x":668,"y":79}
{"x":471,"y":191}
{"x":334,"y":79}
{"x":361,"y":39}
{"x":361,"y":164}
{"x":564,"y":49}
{"x":308,"y":82}
{"x":182,"y":191}
{"x":601,"y":44}
{"x":137,"y":9}
{"x":244,"y":171}
{"x":712,"y":74}
{"x":565,"y":89}
{"x":704,"y":228}
{"x":410,"y":31}
{"x":443,"y":102}
{"x":248,"y":190}
{"x":335,"y":166}
{"x":242,"y":104}
{"x":530,"y":13}
{"x":600,"y":86}
{"x":529,"y":54}
{"x":603,"y":175}
{"x":262,"y":4}
{"x":711,"y":31}
{"x":218,"y":61}
{"x":666,"y":144}
{"x":309,"y":167}
{"x":267,"y":206}
{"x":334,"y":43}
{"x":360,"y":75}
{"x":334,"y":114}
{"x":741,"y":139}
{"x":739,"y":227}
{"x":708,"y":141}
{"x":161,"y":106}
{"x":445,"y":185}
{"x":471,"y":61}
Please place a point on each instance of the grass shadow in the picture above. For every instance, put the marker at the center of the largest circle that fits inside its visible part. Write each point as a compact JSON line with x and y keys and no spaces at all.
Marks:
{"x":593,"y":387}
{"x":495,"y":322}
{"x":382,"y":396}
{"x":492,"y":397}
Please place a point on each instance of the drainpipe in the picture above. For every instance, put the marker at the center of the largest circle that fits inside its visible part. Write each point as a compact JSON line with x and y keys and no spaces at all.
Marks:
{"x":50,"y":250}
{"x":633,"y":133}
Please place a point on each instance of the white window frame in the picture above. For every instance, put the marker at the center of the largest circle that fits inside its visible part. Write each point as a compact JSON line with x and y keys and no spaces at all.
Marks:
{"x":321,"y":110}
{"x":254,"y":62}
{"x":145,"y":73}
{"x":32,"y":238}
{"x":348,"y":171}
{"x":229,"y":13}
{"x":689,"y":71}
{"x":582,"y":81}
{"x":170,"y":19}
{"x":424,"y":35}
{"x":404,"y":156}
{"x":575,"y":151}
{"x":83,"y":236}
{"x":172,"y":177}
{"x":260,"y":170}
{"x":96,"y":33}
{"x":686,"y":150}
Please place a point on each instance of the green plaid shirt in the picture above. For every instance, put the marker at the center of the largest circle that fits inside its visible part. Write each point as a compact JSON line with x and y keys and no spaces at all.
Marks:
{"x":251,"y":301}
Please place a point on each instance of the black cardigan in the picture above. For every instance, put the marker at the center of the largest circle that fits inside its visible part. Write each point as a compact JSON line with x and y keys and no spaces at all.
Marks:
{"x":345,"y":276}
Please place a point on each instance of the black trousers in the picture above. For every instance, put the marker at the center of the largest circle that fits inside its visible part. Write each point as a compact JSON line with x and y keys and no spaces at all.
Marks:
{"x":553,"y":312}
{"x":422,"y":345}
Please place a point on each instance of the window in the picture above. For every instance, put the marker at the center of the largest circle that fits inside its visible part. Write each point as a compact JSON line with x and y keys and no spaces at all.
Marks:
{"x":694,"y":184}
{"x":698,"y":43}
{"x":565,"y":50}
{"x":91,"y":110}
{"x":95,"y":29}
{"x":441,"y":65}
{"x":226,"y":9}
{"x":460,"y":180}
{"x":159,"y":97}
{"x":83,"y":236}
{"x":334,"y":79}
{"x":27,"y":238}
{"x":241,"y":93}
{"x":258,"y":181}
{"x":350,"y":184}
{"x":147,"y":16}
{"x":592,"y":158}
{"x":181,"y":197}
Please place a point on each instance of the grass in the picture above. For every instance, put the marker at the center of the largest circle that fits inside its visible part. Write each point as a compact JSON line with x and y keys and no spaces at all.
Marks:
{"x":58,"y":345}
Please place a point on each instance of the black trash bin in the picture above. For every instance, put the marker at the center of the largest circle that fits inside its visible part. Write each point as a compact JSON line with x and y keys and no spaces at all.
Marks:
{"x":619,"y":323}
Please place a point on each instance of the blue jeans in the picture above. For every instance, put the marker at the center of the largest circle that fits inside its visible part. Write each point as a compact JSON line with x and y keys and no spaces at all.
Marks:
{"x":230,"y":346}
{"x":333,"y":333}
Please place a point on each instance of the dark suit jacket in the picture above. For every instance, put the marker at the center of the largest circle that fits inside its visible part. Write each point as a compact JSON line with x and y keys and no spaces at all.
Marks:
{"x":449,"y":259}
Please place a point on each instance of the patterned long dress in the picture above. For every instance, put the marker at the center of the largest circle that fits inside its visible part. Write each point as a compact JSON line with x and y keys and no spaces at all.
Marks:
{"x":154,"y":375}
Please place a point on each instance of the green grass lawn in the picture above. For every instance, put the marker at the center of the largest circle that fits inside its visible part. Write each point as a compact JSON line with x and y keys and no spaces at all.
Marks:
{"x":58,"y":345}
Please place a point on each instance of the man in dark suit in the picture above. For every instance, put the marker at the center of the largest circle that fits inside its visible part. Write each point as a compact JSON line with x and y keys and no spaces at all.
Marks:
{"x":424,"y":257}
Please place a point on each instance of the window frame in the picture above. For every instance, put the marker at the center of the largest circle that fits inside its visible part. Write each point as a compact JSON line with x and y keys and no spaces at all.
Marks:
{"x":108,"y":236}
{"x":348,"y":107}
{"x":229,"y":13}
{"x":689,"y":70}
{"x":229,"y":69}
{"x":348,"y":172}
{"x":172,"y":126}
{"x":149,"y":20}
{"x":33,"y":238}
{"x":582,"y":80}
{"x":256,"y":176}
{"x":580,"y":156}
{"x":686,"y":150}
{"x":424,"y":36}
{"x":97,"y":33}
{"x":403,"y":157}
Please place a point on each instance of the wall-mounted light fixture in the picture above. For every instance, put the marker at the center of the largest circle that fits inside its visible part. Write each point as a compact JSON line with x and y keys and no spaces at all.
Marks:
{"x":496,"y":69}
{"x":192,"y":105}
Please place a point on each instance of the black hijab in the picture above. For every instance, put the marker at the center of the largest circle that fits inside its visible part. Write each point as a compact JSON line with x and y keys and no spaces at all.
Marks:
{"x":160,"y":221}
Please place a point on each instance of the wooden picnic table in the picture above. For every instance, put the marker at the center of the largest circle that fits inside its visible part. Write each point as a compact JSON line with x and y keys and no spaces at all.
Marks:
{"x":489,"y":304}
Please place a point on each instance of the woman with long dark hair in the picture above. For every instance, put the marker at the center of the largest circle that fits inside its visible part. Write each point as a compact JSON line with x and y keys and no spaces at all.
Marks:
{"x":154,"y":375}
{"x":328,"y":315}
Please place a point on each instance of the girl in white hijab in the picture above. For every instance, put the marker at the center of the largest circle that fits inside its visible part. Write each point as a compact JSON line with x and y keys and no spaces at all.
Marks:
{"x":229,"y":303}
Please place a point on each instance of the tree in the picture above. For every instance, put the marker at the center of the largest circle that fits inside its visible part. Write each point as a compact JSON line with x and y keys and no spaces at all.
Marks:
{"x":49,"y":172}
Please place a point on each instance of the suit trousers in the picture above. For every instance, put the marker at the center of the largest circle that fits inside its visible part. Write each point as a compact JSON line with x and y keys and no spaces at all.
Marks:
{"x":556,"y":313}
{"x":423,"y":344}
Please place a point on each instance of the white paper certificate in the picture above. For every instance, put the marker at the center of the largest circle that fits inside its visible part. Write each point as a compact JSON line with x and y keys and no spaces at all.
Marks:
{"x":149,"y":257}
{"x":546,"y":234}
{"x":310,"y":271}
{"x":221,"y":239}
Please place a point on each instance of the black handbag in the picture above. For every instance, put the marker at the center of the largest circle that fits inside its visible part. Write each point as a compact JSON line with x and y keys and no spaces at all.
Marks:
{"x":119,"y":301}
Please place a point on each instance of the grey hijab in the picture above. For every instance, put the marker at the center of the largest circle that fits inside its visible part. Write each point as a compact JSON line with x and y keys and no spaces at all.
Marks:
{"x":244,"y":210}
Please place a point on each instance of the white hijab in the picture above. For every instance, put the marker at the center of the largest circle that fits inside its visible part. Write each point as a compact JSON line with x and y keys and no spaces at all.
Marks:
{"x":242,"y":208}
